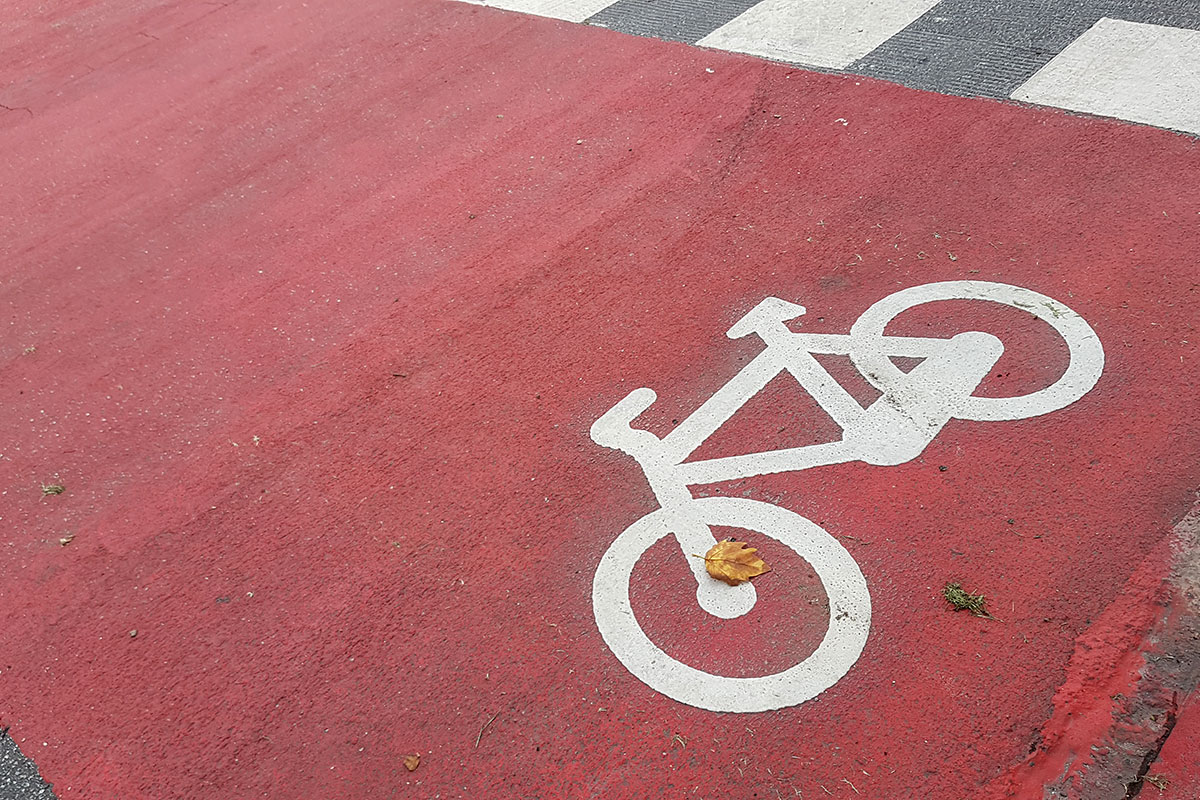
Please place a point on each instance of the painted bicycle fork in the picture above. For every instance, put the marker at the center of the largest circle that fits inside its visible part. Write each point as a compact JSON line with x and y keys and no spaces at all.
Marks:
{"x":894,"y":429}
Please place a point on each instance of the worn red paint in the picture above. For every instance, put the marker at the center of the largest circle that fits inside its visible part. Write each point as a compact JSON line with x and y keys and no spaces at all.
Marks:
{"x":325,"y":297}
{"x":1178,"y":768}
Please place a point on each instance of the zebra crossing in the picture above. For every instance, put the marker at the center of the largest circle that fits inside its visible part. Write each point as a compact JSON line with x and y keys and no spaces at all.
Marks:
{"x":1137,"y":60}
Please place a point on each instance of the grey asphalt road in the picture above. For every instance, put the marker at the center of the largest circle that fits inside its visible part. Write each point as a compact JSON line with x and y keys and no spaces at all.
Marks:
{"x":19,"y":778}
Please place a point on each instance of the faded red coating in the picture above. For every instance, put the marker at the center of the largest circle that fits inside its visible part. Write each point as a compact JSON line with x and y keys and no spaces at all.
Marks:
{"x":324,"y":298}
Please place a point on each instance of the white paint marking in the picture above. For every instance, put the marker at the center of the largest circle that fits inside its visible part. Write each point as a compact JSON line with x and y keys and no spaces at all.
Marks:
{"x":849,"y":611}
{"x":569,"y":10}
{"x":1130,"y":70}
{"x":1083,"y":370}
{"x":822,"y":33}
{"x":896,"y":428}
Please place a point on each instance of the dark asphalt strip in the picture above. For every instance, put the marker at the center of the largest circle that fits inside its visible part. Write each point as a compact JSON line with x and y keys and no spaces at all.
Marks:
{"x":676,"y":20}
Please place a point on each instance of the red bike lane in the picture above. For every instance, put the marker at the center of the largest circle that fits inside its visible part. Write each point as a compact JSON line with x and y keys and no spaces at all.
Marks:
{"x":311,"y":308}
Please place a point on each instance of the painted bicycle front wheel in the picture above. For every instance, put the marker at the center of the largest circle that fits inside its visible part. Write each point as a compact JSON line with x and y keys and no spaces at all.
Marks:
{"x":845,"y":586}
{"x":1083,"y":369}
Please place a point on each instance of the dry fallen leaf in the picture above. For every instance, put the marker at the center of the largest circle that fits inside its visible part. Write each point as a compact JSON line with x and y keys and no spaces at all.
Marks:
{"x":734,"y":562}
{"x":411,"y":762}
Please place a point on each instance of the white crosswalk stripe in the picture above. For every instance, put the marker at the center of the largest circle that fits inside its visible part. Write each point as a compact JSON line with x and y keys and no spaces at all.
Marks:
{"x":820,"y":33}
{"x":1138,"y":72}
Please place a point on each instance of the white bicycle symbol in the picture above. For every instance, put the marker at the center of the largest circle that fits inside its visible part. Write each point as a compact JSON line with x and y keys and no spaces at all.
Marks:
{"x":894,"y":429}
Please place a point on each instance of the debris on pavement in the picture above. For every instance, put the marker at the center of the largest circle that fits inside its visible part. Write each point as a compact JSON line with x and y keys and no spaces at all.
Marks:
{"x":733,"y":562}
{"x":962,"y":600}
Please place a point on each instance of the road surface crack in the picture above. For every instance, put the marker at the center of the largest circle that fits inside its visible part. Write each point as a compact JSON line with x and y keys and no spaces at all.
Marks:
{"x":1134,"y":787}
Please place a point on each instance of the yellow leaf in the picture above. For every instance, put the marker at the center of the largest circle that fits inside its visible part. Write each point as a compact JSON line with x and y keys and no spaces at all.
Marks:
{"x":734,"y":562}
{"x":411,"y":762}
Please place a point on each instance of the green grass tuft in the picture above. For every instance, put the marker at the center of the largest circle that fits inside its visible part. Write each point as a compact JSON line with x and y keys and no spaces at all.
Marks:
{"x":965,"y":601}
